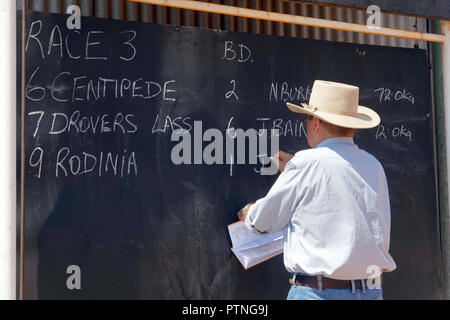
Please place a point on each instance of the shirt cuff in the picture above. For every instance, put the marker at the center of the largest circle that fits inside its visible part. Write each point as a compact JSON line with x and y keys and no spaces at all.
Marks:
{"x":248,"y":223}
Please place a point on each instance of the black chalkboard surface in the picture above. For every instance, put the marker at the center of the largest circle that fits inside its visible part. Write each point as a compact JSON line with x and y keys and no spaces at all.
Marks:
{"x":104,"y":190}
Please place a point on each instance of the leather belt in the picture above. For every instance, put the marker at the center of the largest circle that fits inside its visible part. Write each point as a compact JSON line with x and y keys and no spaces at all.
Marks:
{"x":327,"y":283}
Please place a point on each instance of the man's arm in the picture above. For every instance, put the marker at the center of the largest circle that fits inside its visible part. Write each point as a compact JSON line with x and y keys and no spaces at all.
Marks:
{"x":280,"y":159}
{"x":273,"y":212}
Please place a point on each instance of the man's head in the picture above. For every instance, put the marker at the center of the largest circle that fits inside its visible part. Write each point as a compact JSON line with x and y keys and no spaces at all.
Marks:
{"x":335,"y":112}
{"x":319,"y":130}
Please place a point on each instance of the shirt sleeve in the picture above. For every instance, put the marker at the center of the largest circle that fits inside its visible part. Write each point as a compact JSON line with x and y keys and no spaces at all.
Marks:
{"x":273,"y":212}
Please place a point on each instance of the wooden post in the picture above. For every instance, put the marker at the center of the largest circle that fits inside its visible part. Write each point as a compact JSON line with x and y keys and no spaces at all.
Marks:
{"x":8,"y":144}
{"x":445,"y":216}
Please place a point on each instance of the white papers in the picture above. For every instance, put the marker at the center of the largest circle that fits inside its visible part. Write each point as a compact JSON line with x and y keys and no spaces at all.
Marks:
{"x":251,"y":249}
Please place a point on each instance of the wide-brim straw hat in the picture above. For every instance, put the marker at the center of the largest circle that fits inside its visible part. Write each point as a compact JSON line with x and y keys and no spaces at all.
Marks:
{"x":338,"y":104}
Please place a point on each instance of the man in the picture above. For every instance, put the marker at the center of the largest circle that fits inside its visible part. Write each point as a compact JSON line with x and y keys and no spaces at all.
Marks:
{"x":332,"y":202}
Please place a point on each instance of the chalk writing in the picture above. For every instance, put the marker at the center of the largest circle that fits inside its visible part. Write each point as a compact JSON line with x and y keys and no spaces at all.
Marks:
{"x":293,"y":128}
{"x":89,"y":44}
{"x":36,"y":160}
{"x":76,"y":122}
{"x":232,"y":92}
{"x":66,"y":87}
{"x":285,"y":92}
{"x":387,"y":94}
{"x":393,"y":132}
{"x":128,"y":43}
{"x":41,"y":114}
{"x":242,"y":56}
{"x":100,"y":164}
{"x":162,"y":124}
{"x":92,"y":124}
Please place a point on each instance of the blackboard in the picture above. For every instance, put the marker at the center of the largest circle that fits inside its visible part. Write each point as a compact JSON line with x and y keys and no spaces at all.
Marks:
{"x":104,"y":192}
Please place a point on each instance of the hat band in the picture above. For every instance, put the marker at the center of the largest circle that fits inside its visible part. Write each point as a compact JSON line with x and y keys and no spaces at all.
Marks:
{"x":314,"y":109}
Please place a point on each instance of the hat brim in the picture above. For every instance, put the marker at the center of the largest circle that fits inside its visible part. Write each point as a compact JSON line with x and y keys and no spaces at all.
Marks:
{"x":365,"y":118}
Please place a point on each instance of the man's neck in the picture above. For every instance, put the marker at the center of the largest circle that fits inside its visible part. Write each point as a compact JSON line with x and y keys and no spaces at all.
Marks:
{"x":329,"y":136}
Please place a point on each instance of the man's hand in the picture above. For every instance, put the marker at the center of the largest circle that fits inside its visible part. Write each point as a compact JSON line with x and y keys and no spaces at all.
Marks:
{"x":281,"y":158}
{"x":242,"y":214}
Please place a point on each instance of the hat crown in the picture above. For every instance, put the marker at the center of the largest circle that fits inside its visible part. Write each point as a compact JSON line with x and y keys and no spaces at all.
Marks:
{"x":334,"y":97}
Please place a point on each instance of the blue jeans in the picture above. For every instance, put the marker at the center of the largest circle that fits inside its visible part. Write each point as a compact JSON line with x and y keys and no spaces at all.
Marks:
{"x":307,"y":293}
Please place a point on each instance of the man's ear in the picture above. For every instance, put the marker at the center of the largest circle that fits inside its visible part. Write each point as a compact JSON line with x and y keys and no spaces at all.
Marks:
{"x":317,"y":124}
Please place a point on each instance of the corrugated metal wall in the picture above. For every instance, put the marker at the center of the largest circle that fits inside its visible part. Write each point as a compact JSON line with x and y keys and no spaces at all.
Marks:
{"x":122,"y":9}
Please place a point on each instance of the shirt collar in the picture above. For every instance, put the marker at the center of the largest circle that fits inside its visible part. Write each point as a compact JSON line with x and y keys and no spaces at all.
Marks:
{"x":335,"y":140}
